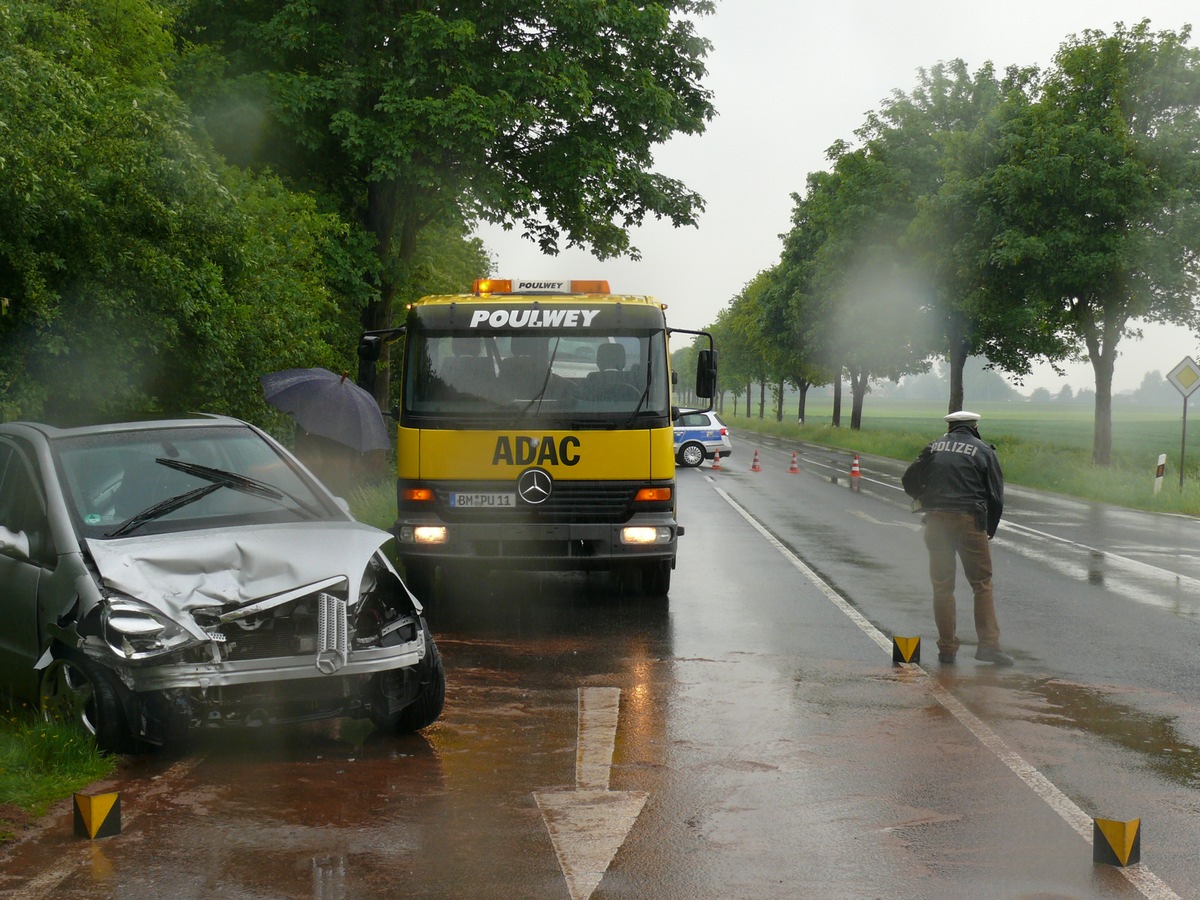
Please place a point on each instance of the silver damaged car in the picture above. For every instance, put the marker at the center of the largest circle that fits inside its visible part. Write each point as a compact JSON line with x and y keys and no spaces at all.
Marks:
{"x":162,"y":576}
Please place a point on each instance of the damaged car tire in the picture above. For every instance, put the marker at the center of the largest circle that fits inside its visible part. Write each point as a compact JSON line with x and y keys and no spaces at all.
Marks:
{"x":76,"y":690}
{"x":431,"y":695}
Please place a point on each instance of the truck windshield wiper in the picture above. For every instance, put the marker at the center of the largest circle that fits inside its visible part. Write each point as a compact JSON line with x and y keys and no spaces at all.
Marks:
{"x":218,"y":479}
{"x":537,"y":398}
{"x":637,"y":410}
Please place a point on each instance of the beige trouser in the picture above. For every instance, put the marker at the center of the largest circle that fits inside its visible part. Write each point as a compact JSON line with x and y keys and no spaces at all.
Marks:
{"x":954,"y":534}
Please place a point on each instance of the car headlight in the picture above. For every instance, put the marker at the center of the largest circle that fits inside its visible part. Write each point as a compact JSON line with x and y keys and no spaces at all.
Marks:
{"x":135,"y":630}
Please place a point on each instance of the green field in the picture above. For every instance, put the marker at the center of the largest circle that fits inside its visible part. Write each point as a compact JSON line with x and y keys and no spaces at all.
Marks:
{"x":1041,"y":445}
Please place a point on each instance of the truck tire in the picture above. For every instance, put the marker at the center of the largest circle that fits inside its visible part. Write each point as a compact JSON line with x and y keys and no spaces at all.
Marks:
{"x":656,"y":579}
{"x":420,"y":575}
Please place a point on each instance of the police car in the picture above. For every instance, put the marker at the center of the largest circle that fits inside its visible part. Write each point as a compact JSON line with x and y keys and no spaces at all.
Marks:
{"x":700,"y":436}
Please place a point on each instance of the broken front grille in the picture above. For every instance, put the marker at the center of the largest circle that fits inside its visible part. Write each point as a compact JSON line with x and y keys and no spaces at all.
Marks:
{"x":316,"y":625}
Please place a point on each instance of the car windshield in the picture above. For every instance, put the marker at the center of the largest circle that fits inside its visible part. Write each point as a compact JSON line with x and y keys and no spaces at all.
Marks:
{"x":181,"y":479}
{"x":523,"y":374}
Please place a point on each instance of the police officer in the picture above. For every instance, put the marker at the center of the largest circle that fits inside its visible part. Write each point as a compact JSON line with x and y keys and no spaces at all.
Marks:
{"x":959,"y":486}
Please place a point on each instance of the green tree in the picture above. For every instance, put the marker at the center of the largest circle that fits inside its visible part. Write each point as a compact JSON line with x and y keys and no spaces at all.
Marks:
{"x":544,"y":115}
{"x":140,"y":275}
{"x":1096,"y":191}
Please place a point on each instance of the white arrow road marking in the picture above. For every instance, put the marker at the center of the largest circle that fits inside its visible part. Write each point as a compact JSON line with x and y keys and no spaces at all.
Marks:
{"x":589,"y":824}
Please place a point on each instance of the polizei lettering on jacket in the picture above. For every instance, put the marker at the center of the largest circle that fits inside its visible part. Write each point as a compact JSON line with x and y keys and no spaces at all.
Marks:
{"x":955,"y":447}
{"x":524,"y":317}
{"x":526,"y":451}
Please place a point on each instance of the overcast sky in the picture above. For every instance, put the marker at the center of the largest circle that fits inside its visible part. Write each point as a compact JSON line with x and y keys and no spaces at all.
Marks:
{"x":790,"y":78}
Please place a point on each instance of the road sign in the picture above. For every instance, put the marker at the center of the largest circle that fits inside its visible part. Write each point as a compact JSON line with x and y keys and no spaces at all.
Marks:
{"x":1185,"y":376}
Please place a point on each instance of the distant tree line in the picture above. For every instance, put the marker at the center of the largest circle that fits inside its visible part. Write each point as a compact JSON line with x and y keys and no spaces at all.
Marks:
{"x":1023,"y":217}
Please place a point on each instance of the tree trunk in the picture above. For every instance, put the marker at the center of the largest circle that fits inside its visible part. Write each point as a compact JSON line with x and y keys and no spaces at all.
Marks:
{"x":383,"y":219}
{"x":749,"y":397}
{"x":859,"y":379}
{"x":762,"y":399}
{"x":802,"y":386}
{"x":958,"y":361}
{"x":1103,"y":361}
{"x":836,"y":421}
{"x":779,"y":404}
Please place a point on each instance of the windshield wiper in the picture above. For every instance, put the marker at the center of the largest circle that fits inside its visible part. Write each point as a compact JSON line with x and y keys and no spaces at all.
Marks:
{"x":537,"y":398}
{"x":219,"y":478}
{"x":242,"y":483}
{"x":158,"y":510}
{"x":222,"y":478}
{"x":641,"y":402}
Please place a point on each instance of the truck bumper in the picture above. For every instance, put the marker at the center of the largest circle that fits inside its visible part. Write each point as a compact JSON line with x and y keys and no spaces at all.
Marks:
{"x":543,"y":546}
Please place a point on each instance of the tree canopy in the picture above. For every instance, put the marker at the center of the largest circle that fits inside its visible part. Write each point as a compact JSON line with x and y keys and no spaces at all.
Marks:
{"x":1034,"y":216}
{"x":516,"y":112}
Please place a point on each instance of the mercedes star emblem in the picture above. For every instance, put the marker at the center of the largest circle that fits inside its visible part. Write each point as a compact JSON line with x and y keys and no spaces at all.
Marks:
{"x":535,"y":485}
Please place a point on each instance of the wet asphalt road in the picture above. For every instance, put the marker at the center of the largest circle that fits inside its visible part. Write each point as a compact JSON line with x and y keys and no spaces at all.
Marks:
{"x":762,"y":743}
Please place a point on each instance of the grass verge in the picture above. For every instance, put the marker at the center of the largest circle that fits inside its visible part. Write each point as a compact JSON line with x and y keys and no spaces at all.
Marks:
{"x":1041,"y":446}
{"x":40,"y":763}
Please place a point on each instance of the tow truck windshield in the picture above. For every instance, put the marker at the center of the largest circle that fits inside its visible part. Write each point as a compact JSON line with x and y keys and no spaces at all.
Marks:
{"x":537,"y":375}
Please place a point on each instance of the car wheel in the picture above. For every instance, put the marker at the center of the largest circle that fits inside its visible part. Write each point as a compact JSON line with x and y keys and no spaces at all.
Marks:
{"x":656,"y":579}
{"x":691,"y":454}
{"x":75,"y":689}
{"x":431,"y":696}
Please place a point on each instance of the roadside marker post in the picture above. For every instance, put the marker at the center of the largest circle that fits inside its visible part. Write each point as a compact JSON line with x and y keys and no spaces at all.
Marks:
{"x":906,"y":650}
{"x":97,"y":815}
{"x":1116,"y":843}
{"x":1158,"y":476}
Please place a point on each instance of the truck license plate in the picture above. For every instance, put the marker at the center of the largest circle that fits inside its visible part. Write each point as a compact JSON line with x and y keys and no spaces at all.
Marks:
{"x":463,"y":500}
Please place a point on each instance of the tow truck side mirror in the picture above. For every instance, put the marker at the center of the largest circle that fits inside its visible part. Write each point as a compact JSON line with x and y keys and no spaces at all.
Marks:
{"x":706,"y":373}
{"x":370,"y":346}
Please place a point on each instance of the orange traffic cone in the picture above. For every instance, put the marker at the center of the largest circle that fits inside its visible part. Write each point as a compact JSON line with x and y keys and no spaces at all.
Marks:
{"x":716,"y":461}
{"x":795,"y":466}
{"x":754,"y":466}
{"x":855,"y":474}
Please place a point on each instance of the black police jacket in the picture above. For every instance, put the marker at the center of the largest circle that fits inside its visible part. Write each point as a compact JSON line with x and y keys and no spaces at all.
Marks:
{"x":959,"y":472}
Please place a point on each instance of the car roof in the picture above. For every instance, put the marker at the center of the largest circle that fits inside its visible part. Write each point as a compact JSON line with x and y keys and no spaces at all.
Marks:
{"x":52,"y":432}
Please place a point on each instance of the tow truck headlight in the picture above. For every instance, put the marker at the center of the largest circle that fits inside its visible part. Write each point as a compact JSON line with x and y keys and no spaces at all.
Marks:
{"x":135,"y":630}
{"x":646,"y":534}
{"x":423,"y":534}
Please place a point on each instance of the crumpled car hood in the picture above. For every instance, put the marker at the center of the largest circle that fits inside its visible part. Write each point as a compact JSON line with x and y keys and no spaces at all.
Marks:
{"x":177,"y":573}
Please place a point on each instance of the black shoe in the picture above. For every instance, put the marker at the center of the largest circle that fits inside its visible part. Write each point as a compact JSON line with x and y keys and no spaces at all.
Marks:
{"x":994,"y":655}
{"x":945,"y":658}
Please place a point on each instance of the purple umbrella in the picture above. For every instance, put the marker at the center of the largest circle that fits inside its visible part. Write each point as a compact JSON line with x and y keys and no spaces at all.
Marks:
{"x":328,"y":404}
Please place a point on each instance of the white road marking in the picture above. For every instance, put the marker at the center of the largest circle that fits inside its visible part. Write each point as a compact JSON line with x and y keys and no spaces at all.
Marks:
{"x":588,"y":825}
{"x":1149,"y":884}
{"x":911,"y":526}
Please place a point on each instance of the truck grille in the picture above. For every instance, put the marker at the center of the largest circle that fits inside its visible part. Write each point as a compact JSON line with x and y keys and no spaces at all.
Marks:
{"x":571,"y":501}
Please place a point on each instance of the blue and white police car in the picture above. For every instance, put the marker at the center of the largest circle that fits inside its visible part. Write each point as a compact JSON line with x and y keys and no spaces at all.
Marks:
{"x":700,"y":436}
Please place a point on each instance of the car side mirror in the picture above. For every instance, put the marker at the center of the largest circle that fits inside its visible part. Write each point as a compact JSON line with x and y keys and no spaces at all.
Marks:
{"x":14,"y":543}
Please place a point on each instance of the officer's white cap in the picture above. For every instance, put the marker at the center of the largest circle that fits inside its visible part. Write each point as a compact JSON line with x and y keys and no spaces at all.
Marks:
{"x":963,"y":416}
